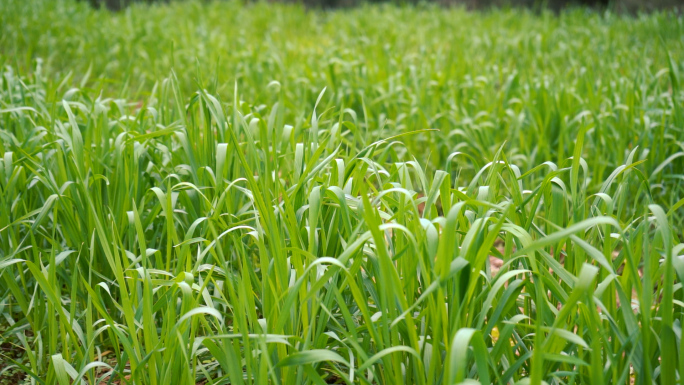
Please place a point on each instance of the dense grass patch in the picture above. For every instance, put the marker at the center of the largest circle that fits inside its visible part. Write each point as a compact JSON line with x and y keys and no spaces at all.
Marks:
{"x":217,"y":193}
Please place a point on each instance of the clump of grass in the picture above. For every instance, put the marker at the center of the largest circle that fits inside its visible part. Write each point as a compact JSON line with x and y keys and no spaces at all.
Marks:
{"x":265,"y":231}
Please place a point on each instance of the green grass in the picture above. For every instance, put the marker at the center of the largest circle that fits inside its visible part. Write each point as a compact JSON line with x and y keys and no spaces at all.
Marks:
{"x":260,"y":194}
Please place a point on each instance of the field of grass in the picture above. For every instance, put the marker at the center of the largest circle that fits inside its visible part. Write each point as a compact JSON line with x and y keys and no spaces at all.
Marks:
{"x":220,"y":193}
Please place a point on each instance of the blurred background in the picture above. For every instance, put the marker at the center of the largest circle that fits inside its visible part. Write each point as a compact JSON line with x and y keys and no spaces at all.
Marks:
{"x":630,"y":6}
